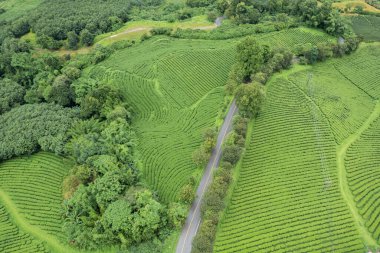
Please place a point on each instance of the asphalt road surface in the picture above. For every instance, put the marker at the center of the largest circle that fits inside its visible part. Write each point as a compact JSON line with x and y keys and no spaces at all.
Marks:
{"x":194,"y":218}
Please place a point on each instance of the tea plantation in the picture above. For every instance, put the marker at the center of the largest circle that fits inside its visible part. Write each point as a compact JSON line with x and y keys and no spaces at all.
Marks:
{"x":30,"y":201}
{"x":176,"y":90}
{"x":294,"y":193}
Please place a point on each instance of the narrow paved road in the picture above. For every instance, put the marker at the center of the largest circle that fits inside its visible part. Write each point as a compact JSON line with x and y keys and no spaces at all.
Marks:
{"x":193,"y":219}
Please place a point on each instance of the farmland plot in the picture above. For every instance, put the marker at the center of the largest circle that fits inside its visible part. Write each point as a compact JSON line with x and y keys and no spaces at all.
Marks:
{"x":175,"y":88}
{"x":363,"y":175}
{"x":287,"y":198}
{"x":31,"y":188}
{"x":290,"y":195}
{"x":367,"y":26}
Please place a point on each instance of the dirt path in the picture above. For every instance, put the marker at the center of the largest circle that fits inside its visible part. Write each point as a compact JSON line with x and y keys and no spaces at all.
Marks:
{"x":343,"y":184}
{"x":34,"y":231}
{"x":194,"y":218}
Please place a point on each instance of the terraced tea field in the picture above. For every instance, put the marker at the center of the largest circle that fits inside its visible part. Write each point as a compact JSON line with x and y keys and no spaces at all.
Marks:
{"x":367,"y":26}
{"x":292,"y":194}
{"x":176,"y":90}
{"x":30,"y":200}
{"x":363,"y":175}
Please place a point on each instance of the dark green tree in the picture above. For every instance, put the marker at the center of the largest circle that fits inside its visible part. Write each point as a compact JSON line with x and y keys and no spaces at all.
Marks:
{"x":249,"y":98}
{"x":72,"y":40}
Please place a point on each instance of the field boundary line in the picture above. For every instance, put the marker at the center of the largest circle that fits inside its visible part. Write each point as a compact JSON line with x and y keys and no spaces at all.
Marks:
{"x":348,"y":79}
{"x":34,"y":231}
{"x":317,"y":106}
{"x":342,"y":177}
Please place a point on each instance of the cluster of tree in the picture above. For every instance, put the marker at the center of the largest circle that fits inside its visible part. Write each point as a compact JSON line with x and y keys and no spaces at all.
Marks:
{"x":231,"y":30}
{"x":313,"y":13}
{"x":76,"y":21}
{"x":255,"y":64}
{"x":200,"y":159}
{"x":73,"y":23}
{"x":201,"y":155}
{"x":11,"y":95}
{"x":106,"y":202}
{"x":214,"y":203}
{"x":45,"y":104}
{"x":310,"y":54}
{"x":31,"y":127}
{"x":168,"y":11}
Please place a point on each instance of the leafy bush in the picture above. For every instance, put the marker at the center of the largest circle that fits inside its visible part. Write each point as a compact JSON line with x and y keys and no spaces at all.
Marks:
{"x":28,"y":128}
{"x":11,"y":94}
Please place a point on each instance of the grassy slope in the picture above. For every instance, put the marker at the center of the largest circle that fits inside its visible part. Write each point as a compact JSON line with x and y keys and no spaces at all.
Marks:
{"x":352,"y":4}
{"x":343,"y":94}
{"x":17,"y":8}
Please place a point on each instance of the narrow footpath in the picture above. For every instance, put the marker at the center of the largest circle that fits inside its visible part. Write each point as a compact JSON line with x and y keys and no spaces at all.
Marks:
{"x":23,"y":225}
{"x":194,"y":217}
{"x":343,"y":184}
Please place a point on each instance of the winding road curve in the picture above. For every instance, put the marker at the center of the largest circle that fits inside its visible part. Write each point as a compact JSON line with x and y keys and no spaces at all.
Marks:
{"x":194,"y":218}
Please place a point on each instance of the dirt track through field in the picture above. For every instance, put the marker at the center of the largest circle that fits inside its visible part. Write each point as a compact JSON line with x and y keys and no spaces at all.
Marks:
{"x":51,"y":242}
{"x":343,"y":184}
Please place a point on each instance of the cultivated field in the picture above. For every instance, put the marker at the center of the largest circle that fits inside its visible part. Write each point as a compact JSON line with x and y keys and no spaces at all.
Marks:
{"x":292,"y":194}
{"x":175,"y":88}
{"x":30,"y":203}
{"x":367,"y":27}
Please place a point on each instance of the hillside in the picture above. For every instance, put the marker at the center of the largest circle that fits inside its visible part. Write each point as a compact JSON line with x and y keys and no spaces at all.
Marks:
{"x":293,"y":156}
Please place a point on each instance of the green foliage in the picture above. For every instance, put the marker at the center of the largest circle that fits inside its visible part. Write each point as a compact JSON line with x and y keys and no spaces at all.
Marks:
{"x":231,"y":154}
{"x":161,"y":31}
{"x":177,"y":214}
{"x":246,"y":14}
{"x":86,"y":38}
{"x":57,"y":19}
{"x":122,"y":221}
{"x":250,"y":56}
{"x":60,"y":91}
{"x":72,"y":40}
{"x":11,"y":94}
{"x":249,"y":98}
{"x":187,"y":194}
{"x":28,"y":128}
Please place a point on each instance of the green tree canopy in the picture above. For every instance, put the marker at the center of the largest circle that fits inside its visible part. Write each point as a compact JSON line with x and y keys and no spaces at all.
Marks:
{"x":249,"y":98}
